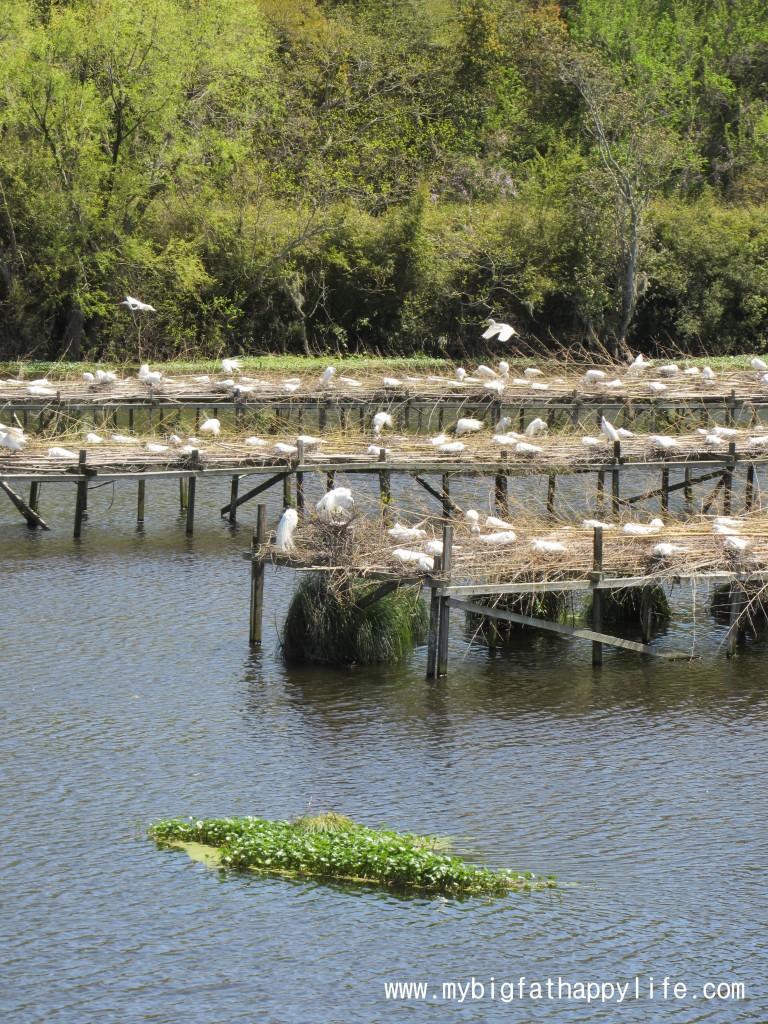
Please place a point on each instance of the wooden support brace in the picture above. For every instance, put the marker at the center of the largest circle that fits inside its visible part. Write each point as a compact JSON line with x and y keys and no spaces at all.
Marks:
{"x":440,"y":495}
{"x":377,"y":594}
{"x":444,"y":613}
{"x":29,"y":513}
{"x":258,"y":490}
{"x":749,"y":490}
{"x":597,"y":595}
{"x":551,"y":495}
{"x":233,"y":489}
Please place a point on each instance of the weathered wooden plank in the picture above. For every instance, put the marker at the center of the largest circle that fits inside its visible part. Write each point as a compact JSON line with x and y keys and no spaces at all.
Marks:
{"x":30,"y":514}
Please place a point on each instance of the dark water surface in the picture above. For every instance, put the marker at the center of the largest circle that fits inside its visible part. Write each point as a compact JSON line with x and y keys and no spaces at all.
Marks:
{"x":130,"y":694}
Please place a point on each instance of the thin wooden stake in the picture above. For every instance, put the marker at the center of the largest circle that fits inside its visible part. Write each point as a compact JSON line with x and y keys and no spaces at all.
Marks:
{"x":140,"y":502}
{"x":191,"y":489}
{"x":737,"y":600}
{"x":81,"y":498}
{"x":597,"y":595}
{"x":233,"y":489}
{"x":257,"y":577}
{"x":445,"y":609}
{"x":34,"y":496}
{"x":646,"y":614}
{"x":664,"y":491}
{"x":551,"y":495}
{"x":182,"y":494}
{"x":749,"y":491}
{"x":300,"y":479}
{"x":385,"y":488}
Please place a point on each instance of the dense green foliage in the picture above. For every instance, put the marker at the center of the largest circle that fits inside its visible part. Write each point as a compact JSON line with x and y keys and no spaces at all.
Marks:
{"x":345,"y":851}
{"x":328,"y":622}
{"x":381,"y":175}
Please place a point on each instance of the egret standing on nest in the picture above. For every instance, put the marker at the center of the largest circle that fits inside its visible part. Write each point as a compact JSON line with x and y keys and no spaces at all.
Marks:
{"x":285,"y":529}
{"x":335,"y":503}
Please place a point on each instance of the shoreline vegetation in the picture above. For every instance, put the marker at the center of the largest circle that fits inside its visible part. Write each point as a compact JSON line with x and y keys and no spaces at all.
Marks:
{"x":331,"y":847}
{"x":348,"y":176}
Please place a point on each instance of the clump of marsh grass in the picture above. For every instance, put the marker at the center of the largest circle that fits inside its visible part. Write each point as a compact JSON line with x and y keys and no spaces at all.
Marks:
{"x":330,"y":623}
{"x":623,"y":608}
{"x":346,"y":852}
{"x":327,"y":821}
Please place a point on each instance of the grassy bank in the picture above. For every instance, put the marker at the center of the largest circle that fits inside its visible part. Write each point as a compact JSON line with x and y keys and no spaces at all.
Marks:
{"x":331,"y":846}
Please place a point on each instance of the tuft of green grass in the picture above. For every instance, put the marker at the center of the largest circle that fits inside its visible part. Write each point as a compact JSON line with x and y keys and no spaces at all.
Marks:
{"x":346,"y":852}
{"x":325,"y":625}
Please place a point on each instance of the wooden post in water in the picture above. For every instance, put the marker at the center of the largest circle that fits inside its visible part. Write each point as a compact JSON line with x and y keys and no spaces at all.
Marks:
{"x":447,"y":504}
{"x":501,"y":493}
{"x":81,"y":498}
{"x":646,"y":613}
{"x":728,"y":479}
{"x":233,"y":489}
{"x":300,"y":479}
{"x":191,"y":489}
{"x":597,"y":595}
{"x":182,"y":494}
{"x":600,"y":489}
{"x":551,"y":481}
{"x":434,"y":623}
{"x":34,"y":496}
{"x":140,"y":501}
{"x":615,"y":478}
{"x":257,"y":577}
{"x":688,"y":489}
{"x":445,"y":610}
{"x":664,"y":491}
{"x":385,"y":488}
{"x":749,"y":490}
{"x":737,"y":601}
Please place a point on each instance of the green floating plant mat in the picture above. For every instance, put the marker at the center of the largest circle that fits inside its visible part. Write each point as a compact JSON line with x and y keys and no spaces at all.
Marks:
{"x":333,"y":848}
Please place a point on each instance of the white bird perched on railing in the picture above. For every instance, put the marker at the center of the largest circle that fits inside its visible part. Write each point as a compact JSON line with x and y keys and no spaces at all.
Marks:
{"x":595,"y":524}
{"x":536,"y":426}
{"x":640,"y":530}
{"x":12,"y":438}
{"x":230,"y":365}
{"x":503,"y":331}
{"x":137,"y":306}
{"x":472,"y":518}
{"x":497,"y":524}
{"x":467,"y":425}
{"x":285,"y":530}
{"x":609,"y":430}
{"x":210,"y":426}
{"x":380,"y":421}
{"x":285,"y":449}
{"x":759,"y":364}
{"x":310,"y":442}
{"x":335,"y":504}
{"x":325,"y":380}
{"x":400,"y":532}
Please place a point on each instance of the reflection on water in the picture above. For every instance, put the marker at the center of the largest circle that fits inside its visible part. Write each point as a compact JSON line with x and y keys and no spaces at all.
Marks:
{"x":129,"y":693}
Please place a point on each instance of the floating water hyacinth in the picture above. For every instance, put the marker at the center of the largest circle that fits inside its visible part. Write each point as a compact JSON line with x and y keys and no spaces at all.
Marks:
{"x":331,"y":846}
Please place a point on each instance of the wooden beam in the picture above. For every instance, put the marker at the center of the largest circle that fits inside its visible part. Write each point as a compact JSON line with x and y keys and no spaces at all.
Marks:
{"x":31,"y":516}
{"x":377,"y":594}
{"x":559,"y":627}
{"x":257,"y":490}
{"x":445,"y":499}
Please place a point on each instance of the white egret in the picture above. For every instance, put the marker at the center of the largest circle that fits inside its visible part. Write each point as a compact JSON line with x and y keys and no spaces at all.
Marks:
{"x":149,"y":376}
{"x":89,"y":377}
{"x":375,"y":450}
{"x":255,"y":442}
{"x":461,"y":373}
{"x":121,"y":439}
{"x":406,"y":556}
{"x":670,"y":370}
{"x":290,"y":388}
{"x":609,"y":430}
{"x":437,"y":441}
{"x":210,"y":426}
{"x":500,"y":538}
{"x":497,"y":524}
{"x":591,"y":441}
{"x":663,"y":441}
{"x":504,"y":368}
{"x":380,"y":421}
{"x":230,"y":365}
{"x":538,"y":386}
{"x":510,"y":438}
{"x":136,"y":306}
{"x":759,"y":364}
{"x":592,"y":376}
{"x":156,"y":449}
{"x":762,"y":440}
{"x":657,"y":386}
{"x":667,"y":550}
{"x":535,"y":427}
{"x":641,"y":530}
{"x":497,"y":386}
{"x":285,"y":529}
{"x":708,"y":373}
{"x":335,"y":503}
{"x":549,"y":547}
{"x":310,"y":442}
{"x":523,"y":448}
{"x":467,"y":425}
{"x":501,"y":330}
{"x":392,"y":382}
{"x":426,"y":563}
{"x":724,"y":530}
{"x":434,"y":547}
{"x":92,"y":438}
{"x":640,"y":363}
{"x":736,"y":543}
{"x":40,"y":391}
{"x":350,"y":382}
{"x":485,"y":372}
{"x":105,"y":376}
{"x":472,"y":517}
{"x":400,"y":532}
{"x":532,"y":372}
{"x":594,"y":524}
{"x":692,"y":371}
{"x":452,"y":448}
{"x":325,"y":380}
{"x":623,"y":432}
{"x":285,"y":449}
{"x":12,"y":438}
{"x":61,"y":453}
